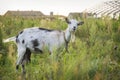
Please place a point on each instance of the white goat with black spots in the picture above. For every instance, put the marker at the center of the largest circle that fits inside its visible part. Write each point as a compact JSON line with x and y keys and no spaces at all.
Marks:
{"x":36,"y":39}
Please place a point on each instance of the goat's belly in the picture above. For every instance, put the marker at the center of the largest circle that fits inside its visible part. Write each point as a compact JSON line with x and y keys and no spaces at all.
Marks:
{"x":57,"y":46}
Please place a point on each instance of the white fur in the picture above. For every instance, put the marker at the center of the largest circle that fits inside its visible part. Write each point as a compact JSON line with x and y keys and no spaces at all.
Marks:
{"x":50,"y":40}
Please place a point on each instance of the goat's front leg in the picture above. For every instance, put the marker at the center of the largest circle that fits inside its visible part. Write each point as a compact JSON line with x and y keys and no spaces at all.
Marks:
{"x":66,"y":47}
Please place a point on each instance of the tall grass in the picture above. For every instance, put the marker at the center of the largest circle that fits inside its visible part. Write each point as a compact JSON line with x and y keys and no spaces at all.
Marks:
{"x":93,"y":56}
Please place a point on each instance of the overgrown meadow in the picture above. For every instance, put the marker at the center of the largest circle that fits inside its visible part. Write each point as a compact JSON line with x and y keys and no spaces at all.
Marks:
{"x":95,"y":54}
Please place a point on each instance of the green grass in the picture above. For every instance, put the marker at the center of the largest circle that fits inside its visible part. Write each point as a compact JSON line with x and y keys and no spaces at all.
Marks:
{"x":95,"y":54}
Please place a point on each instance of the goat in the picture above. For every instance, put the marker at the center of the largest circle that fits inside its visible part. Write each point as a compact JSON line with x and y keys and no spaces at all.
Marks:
{"x":35,"y":39}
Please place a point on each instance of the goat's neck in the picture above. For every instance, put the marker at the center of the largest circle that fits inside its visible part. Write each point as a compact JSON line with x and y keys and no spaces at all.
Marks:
{"x":67,"y":35}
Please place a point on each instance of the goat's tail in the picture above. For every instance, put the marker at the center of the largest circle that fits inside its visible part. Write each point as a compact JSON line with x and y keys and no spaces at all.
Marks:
{"x":9,"y":39}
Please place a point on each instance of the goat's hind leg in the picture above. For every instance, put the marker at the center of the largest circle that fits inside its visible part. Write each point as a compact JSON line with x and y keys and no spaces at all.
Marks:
{"x":27,"y":55}
{"x":21,"y":53}
{"x":26,"y":59}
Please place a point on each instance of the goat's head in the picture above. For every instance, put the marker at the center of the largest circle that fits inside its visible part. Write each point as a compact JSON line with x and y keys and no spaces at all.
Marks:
{"x":73,"y":24}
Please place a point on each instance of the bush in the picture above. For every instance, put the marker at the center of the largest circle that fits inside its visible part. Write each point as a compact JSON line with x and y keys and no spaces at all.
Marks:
{"x":93,"y":56}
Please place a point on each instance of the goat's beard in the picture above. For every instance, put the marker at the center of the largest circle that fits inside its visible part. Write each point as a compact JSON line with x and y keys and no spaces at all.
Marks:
{"x":73,"y":37}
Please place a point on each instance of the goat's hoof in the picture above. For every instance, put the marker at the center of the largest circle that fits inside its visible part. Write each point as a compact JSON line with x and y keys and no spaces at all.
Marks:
{"x":24,"y":72}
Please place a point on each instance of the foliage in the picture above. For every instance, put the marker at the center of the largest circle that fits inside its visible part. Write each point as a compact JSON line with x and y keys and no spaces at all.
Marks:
{"x":93,"y":56}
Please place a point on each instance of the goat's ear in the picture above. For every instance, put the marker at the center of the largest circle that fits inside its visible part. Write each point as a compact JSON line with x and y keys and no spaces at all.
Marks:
{"x":80,"y":23}
{"x":67,"y":20}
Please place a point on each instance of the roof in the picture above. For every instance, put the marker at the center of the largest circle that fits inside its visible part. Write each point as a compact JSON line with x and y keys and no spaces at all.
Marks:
{"x":106,"y":8}
{"x":24,"y":13}
{"x":77,"y":15}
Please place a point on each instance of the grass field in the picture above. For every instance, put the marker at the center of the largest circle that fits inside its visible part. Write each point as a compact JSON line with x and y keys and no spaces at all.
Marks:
{"x":95,"y":54}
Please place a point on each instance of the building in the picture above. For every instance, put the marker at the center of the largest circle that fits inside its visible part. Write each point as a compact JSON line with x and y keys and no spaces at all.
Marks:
{"x":77,"y":15}
{"x":25,"y":14}
{"x":32,"y":14}
{"x":109,"y":8}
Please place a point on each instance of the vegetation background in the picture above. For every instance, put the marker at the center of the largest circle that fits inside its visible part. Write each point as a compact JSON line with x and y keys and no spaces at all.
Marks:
{"x":95,"y":54}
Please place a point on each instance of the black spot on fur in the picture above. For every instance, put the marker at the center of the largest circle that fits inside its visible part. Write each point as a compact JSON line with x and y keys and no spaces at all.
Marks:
{"x":17,"y":40}
{"x":23,"y":41}
{"x":46,"y":29}
{"x":31,"y":37}
{"x":38,"y":50}
{"x":17,"y":36}
{"x":21,"y":32}
{"x":35,"y":43}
